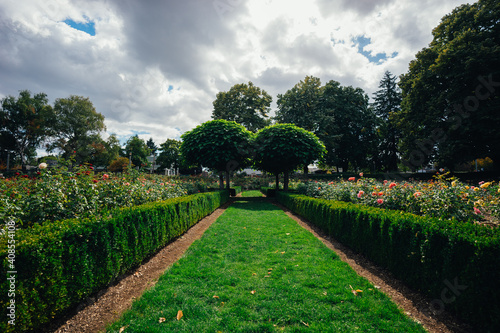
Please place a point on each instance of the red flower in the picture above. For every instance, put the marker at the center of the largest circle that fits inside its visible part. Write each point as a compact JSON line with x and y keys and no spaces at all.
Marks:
{"x":94,"y":180}
{"x":351,"y":179}
{"x":392,"y":185}
{"x":380,"y":194}
{"x":380,"y":201}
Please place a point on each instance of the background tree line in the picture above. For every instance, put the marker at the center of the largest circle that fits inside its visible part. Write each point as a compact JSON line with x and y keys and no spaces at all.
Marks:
{"x":445,"y":111}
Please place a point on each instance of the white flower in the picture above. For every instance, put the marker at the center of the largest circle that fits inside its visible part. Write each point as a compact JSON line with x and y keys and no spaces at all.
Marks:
{"x":43,"y":166}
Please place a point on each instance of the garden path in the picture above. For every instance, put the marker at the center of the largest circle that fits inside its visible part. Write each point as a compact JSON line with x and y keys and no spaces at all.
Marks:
{"x":109,"y":304}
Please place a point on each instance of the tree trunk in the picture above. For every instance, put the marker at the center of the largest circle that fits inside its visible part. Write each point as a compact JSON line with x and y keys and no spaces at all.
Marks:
{"x":221,"y":181}
{"x":306,"y":172}
{"x":228,"y":183}
{"x":277,"y":181}
{"x":285,"y":180}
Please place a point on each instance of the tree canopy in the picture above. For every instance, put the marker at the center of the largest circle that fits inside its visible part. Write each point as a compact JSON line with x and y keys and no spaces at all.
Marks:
{"x":301,"y":105}
{"x":347,"y":127}
{"x":284,"y":147}
{"x":170,"y":155}
{"x":220,"y":145}
{"x":450,"y":94}
{"x":24,"y":123}
{"x":245,"y":104}
{"x":138,"y":150}
{"x":76,"y":126}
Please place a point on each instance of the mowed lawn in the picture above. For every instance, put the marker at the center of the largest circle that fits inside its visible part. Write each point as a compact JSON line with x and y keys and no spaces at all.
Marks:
{"x":257,"y":270}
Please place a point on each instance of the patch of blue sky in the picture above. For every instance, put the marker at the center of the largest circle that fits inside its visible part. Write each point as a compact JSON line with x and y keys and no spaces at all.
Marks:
{"x":87,"y":27}
{"x":362,"y":41}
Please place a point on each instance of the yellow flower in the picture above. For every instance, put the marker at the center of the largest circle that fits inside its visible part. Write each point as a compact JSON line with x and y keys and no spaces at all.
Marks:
{"x":454,"y":183}
{"x":477,"y":189}
{"x":467,"y":187}
{"x":485,"y":185}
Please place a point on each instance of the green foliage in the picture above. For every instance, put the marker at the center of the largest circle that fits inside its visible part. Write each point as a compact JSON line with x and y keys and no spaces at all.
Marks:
{"x":139,"y":151}
{"x":301,"y":105}
{"x":170,"y":155}
{"x":24,"y":123}
{"x":245,"y":104}
{"x":387,"y":103}
{"x":60,"y":264}
{"x":450,"y":94}
{"x":284,"y":147}
{"x":444,"y":198}
{"x":75,"y":127}
{"x":427,"y":254}
{"x":62,"y":194}
{"x":347,"y":127}
{"x":220,"y":145}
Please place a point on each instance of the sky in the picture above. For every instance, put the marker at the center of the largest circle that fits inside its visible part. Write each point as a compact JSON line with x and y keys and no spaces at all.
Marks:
{"x":154,"y":67}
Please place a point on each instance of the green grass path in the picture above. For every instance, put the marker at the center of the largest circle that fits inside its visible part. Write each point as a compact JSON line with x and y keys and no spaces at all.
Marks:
{"x":257,"y":270}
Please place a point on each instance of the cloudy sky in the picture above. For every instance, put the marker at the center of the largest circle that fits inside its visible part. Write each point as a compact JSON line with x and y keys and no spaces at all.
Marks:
{"x":154,"y":67}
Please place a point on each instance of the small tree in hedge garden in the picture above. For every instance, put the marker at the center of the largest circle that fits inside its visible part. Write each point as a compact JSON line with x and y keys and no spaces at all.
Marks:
{"x":220,"y":145}
{"x":285,"y":147}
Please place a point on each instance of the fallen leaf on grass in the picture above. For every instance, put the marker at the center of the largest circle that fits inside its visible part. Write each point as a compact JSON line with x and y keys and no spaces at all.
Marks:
{"x":252,"y":292}
{"x":254,"y":273}
{"x":161,"y":320}
{"x":304,"y":323}
{"x":283,"y":252}
{"x":179,"y":315}
{"x":122,"y":329}
{"x":215,"y":296}
{"x":355,"y":292}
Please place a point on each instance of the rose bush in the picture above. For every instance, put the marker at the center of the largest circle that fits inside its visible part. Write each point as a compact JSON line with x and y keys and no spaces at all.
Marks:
{"x":445,"y":198}
{"x":62,"y":194}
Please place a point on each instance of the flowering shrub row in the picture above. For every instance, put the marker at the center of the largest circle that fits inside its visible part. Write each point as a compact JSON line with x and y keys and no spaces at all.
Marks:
{"x":57,"y":195}
{"x":445,"y":198}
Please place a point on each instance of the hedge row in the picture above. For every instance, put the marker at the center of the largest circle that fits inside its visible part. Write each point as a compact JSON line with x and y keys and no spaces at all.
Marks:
{"x":62,"y":263}
{"x":455,"y":264}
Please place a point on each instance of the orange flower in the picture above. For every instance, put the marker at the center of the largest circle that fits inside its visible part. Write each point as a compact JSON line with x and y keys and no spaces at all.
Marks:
{"x":351,"y":179}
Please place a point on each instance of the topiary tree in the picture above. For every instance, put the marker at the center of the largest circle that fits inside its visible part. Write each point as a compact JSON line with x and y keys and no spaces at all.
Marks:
{"x":284,"y":147}
{"x":220,"y":145}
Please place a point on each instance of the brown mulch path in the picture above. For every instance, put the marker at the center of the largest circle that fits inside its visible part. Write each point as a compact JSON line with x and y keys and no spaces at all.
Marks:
{"x":110,"y":303}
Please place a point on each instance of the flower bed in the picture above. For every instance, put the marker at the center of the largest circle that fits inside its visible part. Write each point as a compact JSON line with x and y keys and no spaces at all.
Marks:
{"x":58,"y":195}
{"x":444,"y":198}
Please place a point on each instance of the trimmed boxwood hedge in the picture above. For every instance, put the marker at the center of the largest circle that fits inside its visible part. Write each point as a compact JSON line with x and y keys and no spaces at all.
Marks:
{"x":455,"y":264}
{"x":62,"y":263}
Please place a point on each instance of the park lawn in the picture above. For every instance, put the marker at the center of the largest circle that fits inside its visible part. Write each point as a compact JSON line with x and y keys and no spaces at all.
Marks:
{"x":253,"y":193}
{"x":257,"y":270}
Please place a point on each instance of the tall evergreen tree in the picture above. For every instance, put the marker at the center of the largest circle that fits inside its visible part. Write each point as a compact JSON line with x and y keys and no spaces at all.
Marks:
{"x":387,"y":103}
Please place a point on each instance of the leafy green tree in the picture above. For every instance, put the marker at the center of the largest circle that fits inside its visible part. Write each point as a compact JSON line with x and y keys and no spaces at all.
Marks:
{"x":347,"y":127}
{"x":104,"y":152}
{"x":76,"y":126}
{"x":281,"y":148}
{"x":170,"y":155}
{"x":221,"y":145}
{"x":24,"y":124}
{"x":387,"y":102}
{"x":120,"y":164}
{"x":450,"y":94}
{"x":245,"y":104}
{"x":301,"y":105}
{"x":137,"y":149}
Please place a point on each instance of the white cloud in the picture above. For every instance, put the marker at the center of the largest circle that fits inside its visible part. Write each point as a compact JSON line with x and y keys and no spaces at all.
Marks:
{"x":154,"y":67}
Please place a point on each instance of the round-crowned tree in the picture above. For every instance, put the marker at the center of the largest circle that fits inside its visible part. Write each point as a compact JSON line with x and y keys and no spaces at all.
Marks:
{"x":220,"y":145}
{"x":283,"y":148}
